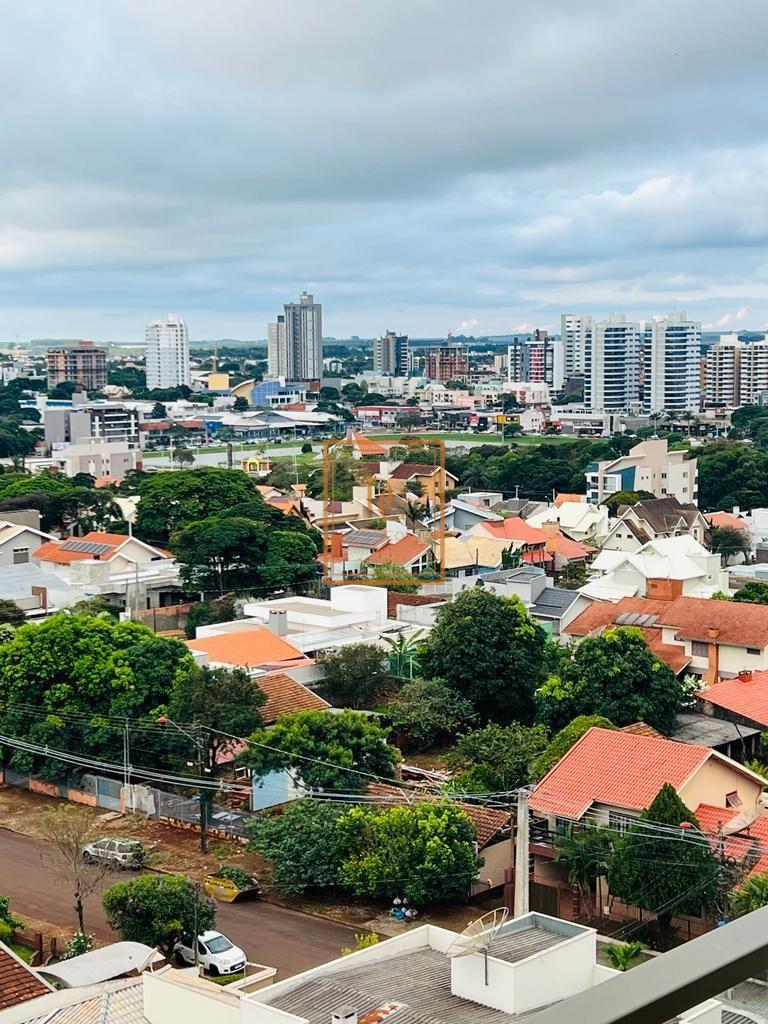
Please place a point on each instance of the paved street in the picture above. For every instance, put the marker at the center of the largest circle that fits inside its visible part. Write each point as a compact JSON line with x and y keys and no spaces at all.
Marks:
{"x":269,"y":934}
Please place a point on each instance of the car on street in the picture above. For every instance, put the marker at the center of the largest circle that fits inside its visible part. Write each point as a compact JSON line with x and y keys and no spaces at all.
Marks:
{"x":118,"y":853}
{"x":215,"y":953}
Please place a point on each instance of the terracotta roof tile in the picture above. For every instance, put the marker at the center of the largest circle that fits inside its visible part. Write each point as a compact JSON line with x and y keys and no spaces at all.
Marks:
{"x":18,"y":982}
{"x":402,"y":552}
{"x":671,"y":654}
{"x":739,"y":623}
{"x":601,"y":614}
{"x":514,"y":528}
{"x":643,"y":729}
{"x":487,"y":821}
{"x":285,"y":697}
{"x":563,"y":498}
{"x":617,"y":768}
{"x":727,"y":519}
{"x":408,"y":470}
{"x":745,"y":697}
{"x":366,"y":446}
{"x":249,"y":648}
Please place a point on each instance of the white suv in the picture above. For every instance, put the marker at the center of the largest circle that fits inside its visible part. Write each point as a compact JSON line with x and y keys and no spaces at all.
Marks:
{"x":119,"y":853}
{"x":214,"y":952}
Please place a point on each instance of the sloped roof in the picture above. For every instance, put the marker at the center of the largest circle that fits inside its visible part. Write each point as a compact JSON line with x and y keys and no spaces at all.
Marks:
{"x":672,"y":654}
{"x":249,"y":648}
{"x":487,"y":821}
{"x":65,"y":552}
{"x":739,"y":623}
{"x":514,"y":528}
{"x":563,"y":498}
{"x":725,"y":519}
{"x":408,"y":470}
{"x":366,"y":538}
{"x":566,"y":547}
{"x":601,"y":614}
{"x":746,"y":697}
{"x":663,"y":514}
{"x":285,"y":697}
{"x":365,"y":445}
{"x":614,"y":767}
{"x":115,"y":1002}
{"x":18,"y":982}
{"x":475,"y":550}
{"x":402,"y":552}
{"x":714,"y":821}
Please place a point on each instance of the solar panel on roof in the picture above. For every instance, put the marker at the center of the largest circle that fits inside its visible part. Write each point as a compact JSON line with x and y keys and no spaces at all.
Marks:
{"x":622,"y":619}
{"x":632,"y":618}
{"x":86,"y":547}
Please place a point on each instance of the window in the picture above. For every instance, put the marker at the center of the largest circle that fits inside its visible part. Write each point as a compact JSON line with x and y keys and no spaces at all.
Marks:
{"x":20,"y":556}
{"x":699,"y":649}
{"x":753,"y":650}
{"x":732,"y":799}
{"x":619,"y":822}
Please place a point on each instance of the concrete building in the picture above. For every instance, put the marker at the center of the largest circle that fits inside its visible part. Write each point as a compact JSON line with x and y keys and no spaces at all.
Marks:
{"x":167,"y":352}
{"x":81,"y":364}
{"x":303,"y":338}
{"x":97,"y":457}
{"x":612,"y":365}
{"x":671,"y":365}
{"x":539,"y":360}
{"x":108,"y":421}
{"x":649,"y":466}
{"x":390,"y":354}
{"x":573,"y":328}
{"x":723,"y":372}
{"x":277,"y":358}
{"x":447,"y":362}
{"x":754,"y":372}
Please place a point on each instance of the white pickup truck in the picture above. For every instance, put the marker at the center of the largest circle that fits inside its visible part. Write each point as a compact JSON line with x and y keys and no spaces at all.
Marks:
{"x":214,"y":952}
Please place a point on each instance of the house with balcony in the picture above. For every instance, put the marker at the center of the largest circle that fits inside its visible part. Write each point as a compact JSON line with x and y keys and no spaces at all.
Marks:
{"x":649,"y":466}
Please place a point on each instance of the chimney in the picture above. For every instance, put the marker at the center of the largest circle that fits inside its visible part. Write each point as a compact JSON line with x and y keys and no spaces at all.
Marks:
{"x":336,"y":546}
{"x":278,"y":622}
{"x":745,"y":675}
{"x":344,"y":1015}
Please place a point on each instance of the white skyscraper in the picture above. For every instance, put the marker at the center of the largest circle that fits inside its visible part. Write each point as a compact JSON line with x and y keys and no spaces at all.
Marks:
{"x":754,"y":371}
{"x":671,"y":365}
{"x":723,"y":387}
{"x":573,"y":331}
{"x":276,"y":352}
{"x":304,"y":338}
{"x":167,"y":352}
{"x":612,"y":364}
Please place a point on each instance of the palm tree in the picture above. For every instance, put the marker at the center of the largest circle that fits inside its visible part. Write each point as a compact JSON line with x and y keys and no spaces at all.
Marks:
{"x":751,"y":895}
{"x":475,"y":476}
{"x":687,"y":417}
{"x":414,"y":513}
{"x":404,"y":652}
{"x":586,"y":852}
{"x":624,"y":955}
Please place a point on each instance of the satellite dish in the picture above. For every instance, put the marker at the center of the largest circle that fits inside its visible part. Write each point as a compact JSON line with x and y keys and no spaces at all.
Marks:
{"x":478,"y":936}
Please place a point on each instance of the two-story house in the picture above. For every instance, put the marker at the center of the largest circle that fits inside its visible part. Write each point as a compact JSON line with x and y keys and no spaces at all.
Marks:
{"x":648,"y":520}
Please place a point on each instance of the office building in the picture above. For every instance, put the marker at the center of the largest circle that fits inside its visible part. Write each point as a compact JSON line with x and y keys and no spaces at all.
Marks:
{"x":303,"y":338}
{"x":167,"y":352}
{"x":671,"y":365}
{"x":612,"y":364}
{"x":723,"y":372}
{"x":276,"y":354}
{"x":82,"y":364}
{"x":109,"y":421}
{"x":390,"y":354}
{"x":573,"y":328}
{"x":754,"y":372}
{"x":447,"y":362}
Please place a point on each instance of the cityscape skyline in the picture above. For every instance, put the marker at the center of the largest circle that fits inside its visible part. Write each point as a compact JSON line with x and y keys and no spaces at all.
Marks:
{"x":486,"y":206}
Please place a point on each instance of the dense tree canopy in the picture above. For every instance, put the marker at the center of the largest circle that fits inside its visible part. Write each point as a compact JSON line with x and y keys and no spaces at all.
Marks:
{"x":355,"y":675}
{"x":67,"y":681}
{"x":429,"y":712}
{"x":158,"y":910}
{"x":496,"y":758}
{"x":490,"y":650}
{"x":728,"y":541}
{"x":731,"y":474}
{"x":351,"y":746}
{"x":752,"y":592}
{"x":614,"y":675}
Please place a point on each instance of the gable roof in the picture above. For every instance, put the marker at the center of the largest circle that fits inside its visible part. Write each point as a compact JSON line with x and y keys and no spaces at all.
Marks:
{"x":746,"y":697}
{"x":727,"y":519}
{"x":18,"y":981}
{"x":559,"y":544}
{"x":739,"y":623}
{"x":249,"y":648}
{"x":285,"y":696}
{"x":487,"y":821}
{"x":601,"y":614}
{"x":402,"y":552}
{"x":563,"y":498}
{"x":408,"y":470}
{"x":514,"y":528}
{"x":473,"y":550}
{"x":613,"y":767}
{"x":103,"y":546}
{"x":365,"y":445}
{"x":665,"y":514}
{"x":9,"y":531}
{"x":366,"y":538}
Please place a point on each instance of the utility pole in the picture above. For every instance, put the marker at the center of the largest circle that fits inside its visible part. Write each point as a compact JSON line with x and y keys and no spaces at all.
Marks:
{"x":203,"y":797}
{"x":522,"y":854}
{"x":194,"y":939}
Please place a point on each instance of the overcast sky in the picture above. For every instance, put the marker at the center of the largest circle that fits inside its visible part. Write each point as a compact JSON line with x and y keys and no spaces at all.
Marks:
{"x":420,"y":165}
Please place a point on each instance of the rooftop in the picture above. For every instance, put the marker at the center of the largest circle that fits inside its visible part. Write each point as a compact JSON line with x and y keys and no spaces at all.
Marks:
{"x":514,"y":528}
{"x":640,"y":610}
{"x":114,"y":1002}
{"x":285,"y":697}
{"x":745,"y":697}
{"x":487,"y":821}
{"x":739,"y":623}
{"x":693,"y":727}
{"x":402,"y":552}
{"x":249,"y":648}
{"x":18,"y":982}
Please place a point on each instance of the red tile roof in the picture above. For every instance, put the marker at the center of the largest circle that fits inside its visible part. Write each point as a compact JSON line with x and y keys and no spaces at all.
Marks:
{"x":408,"y":470}
{"x":18,"y":982}
{"x":402,"y":552}
{"x":671,"y":654}
{"x":487,"y":821}
{"x":285,"y":697}
{"x":617,"y":768}
{"x":712,"y":820}
{"x":414,"y":600}
{"x":727,"y":519}
{"x":642,"y":729}
{"x":249,"y":648}
{"x":563,"y":499}
{"x":566,"y":547}
{"x":745,"y":697}
{"x":366,"y":446}
{"x":601,"y":614}
{"x":514,"y":528}
{"x":53,"y":550}
{"x":742,"y":624}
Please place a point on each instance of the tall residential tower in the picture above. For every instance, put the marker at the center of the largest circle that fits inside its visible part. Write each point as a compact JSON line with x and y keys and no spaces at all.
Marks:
{"x":167,"y":351}
{"x":612,"y":364}
{"x":390,"y":354}
{"x":303,"y":338}
{"x":671,"y":365}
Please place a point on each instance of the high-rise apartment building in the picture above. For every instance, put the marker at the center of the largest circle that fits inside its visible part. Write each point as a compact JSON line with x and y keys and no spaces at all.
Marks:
{"x":539,"y":360}
{"x":303,"y":338}
{"x":82,"y":364}
{"x":753,"y":371}
{"x":723,"y":372}
{"x":390,"y":354}
{"x":671,"y":379}
{"x":517,"y":361}
{"x":573,"y":330}
{"x":277,"y":357}
{"x":167,"y":352}
{"x":612,"y":364}
{"x":447,"y":362}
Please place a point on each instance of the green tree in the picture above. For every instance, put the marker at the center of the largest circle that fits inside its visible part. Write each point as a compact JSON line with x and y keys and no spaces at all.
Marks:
{"x":751,"y":894}
{"x":306,"y":448}
{"x":587,"y":852}
{"x":408,"y":419}
{"x":304,"y":845}
{"x":348,"y":743}
{"x":241,"y":404}
{"x":221,"y":553}
{"x":394,"y":577}
{"x":752,"y":592}
{"x":624,"y":955}
{"x":203,"y":613}
{"x":562,"y":742}
{"x":496,"y":758}
{"x":490,"y":650}
{"x":614,"y":675}
{"x":224,"y":700}
{"x":70,"y":680}
{"x":8,"y":922}
{"x":355,"y":675}
{"x":429,"y":712}
{"x":404,"y":653}
{"x":184,"y":456}
{"x":169,"y":501}
{"x":727,"y":542}
{"x":666,"y":871}
{"x":626,"y":498}
{"x":424,"y":852}
{"x":159,"y":411}
{"x":11,"y":613}
{"x":158,"y":910}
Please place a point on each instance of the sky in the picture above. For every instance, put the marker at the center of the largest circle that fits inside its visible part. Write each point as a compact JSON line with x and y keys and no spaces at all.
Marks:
{"x":475,"y":166}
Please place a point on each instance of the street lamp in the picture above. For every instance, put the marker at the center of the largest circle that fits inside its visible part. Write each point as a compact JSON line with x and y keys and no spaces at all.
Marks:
{"x":202,"y":770}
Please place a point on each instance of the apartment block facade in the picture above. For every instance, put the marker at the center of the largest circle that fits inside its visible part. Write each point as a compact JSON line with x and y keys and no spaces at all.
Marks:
{"x":83,"y":364}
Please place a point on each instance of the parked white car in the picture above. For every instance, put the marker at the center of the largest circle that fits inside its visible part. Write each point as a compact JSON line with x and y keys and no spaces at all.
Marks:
{"x":118,"y":853}
{"x":214,"y":952}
